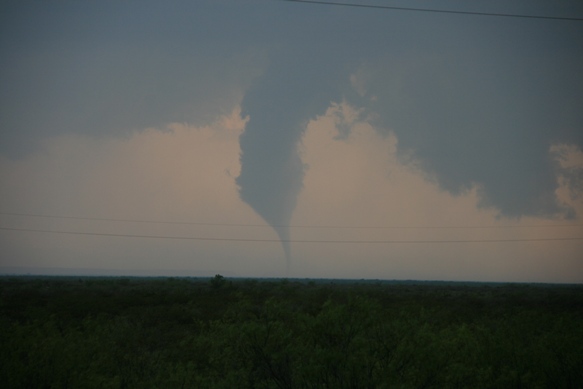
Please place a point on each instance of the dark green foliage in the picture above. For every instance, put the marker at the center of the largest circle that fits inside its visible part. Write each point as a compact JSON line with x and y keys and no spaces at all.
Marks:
{"x":187,"y":333}
{"x":218,"y":281}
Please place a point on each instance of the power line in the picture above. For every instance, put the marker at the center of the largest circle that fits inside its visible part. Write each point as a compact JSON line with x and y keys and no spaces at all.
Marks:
{"x":291,"y":240}
{"x":141,"y":221}
{"x":388,"y":7}
{"x":130,"y":220}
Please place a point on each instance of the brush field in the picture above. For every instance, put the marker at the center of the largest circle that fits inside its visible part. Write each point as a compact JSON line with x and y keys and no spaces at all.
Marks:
{"x":111,"y":332}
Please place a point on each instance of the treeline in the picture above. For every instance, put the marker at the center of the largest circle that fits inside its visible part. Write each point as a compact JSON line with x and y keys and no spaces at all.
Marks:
{"x":222,"y":333}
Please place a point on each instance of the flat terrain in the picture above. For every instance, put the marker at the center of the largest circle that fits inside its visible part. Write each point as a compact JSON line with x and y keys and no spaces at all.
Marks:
{"x":110,"y":332}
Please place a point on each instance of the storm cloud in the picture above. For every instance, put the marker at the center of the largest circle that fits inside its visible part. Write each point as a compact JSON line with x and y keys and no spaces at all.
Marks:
{"x":477,"y":101}
{"x":108,"y":69}
{"x":478,"y":104}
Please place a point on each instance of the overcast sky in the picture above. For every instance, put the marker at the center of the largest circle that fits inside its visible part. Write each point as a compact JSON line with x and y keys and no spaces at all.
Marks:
{"x":402,"y":144}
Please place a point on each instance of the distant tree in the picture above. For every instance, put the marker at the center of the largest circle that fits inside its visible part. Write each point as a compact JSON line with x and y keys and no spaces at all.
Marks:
{"x":218,"y":281}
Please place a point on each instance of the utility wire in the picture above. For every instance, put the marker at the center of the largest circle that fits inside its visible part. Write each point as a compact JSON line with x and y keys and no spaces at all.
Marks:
{"x":292,"y":240}
{"x":388,"y":7}
{"x":291,"y":226}
{"x":130,"y":220}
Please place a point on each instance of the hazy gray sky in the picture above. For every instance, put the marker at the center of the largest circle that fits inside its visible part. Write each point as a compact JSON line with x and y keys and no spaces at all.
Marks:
{"x":263,"y":120}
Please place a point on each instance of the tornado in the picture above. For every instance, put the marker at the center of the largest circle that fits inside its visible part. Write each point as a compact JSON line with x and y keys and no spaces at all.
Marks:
{"x":272,"y":175}
{"x":279,"y":106}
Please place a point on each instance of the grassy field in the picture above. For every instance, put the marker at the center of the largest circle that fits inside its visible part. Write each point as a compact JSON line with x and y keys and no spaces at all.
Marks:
{"x":88,"y":332}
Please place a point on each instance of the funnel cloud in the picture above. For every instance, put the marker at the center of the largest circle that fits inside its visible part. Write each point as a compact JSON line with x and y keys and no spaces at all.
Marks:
{"x":279,"y":106}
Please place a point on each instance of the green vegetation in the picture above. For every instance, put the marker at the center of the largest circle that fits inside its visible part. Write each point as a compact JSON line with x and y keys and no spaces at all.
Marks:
{"x":230,"y":333}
